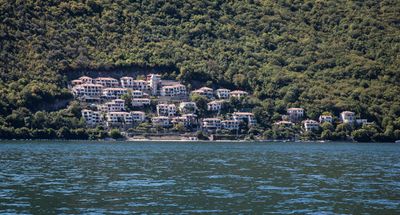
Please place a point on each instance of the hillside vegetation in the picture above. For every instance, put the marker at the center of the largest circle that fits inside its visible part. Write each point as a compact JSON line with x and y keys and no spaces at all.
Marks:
{"x":319,"y":55}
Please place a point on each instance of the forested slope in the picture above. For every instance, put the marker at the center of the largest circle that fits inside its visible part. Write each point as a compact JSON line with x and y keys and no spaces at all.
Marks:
{"x":320,"y":55}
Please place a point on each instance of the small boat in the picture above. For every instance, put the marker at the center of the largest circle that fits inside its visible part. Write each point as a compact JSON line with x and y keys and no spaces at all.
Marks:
{"x":397,"y":141}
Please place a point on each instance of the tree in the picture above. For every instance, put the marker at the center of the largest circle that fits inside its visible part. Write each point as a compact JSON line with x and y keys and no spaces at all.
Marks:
{"x":201,"y":103}
{"x":361,"y":135}
{"x":115,"y":134}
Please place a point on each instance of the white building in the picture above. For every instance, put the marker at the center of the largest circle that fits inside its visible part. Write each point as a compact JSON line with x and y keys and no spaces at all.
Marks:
{"x":126,"y":82}
{"x":238,"y":94}
{"x":140,"y":85}
{"x":138,"y":116}
{"x":82,"y":80}
{"x":139,"y":102}
{"x":295,"y":114}
{"x":166,"y":109}
{"x":106,"y":81}
{"x":114,"y":92}
{"x":91,"y":90}
{"x":162,"y":121}
{"x":361,"y":121}
{"x":131,"y":83}
{"x":91,"y":117}
{"x":215,"y":105}
{"x":310,"y":125}
{"x":185,"y":119}
{"x":284,"y":123}
{"x":230,"y":124}
{"x":192,"y":118}
{"x":154,"y":83}
{"x":181,"y":120}
{"x":211,"y":123}
{"x":204,"y":91}
{"x":118,"y":118}
{"x":347,"y":117}
{"x":325,"y":118}
{"x":222,"y":93}
{"x":116,"y":105}
{"x":245,"y":117}
{"x":187,"y":107}
{"x":174,"y":90}
{"x":137,"y":94}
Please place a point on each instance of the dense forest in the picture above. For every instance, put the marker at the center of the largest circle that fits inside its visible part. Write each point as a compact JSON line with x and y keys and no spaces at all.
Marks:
{"x":324,"y":56}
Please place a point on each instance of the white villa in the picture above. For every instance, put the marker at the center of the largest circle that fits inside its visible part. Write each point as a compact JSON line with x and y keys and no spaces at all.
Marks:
{"x":222,"y":93}
{"x":113,"y":106}
{"x":238,"y":93}
{"x":325,"y":118}
{"x":166,"y":109}
{"x":106,"y":81}
{"x":118,"y":118}
{"x":347,"y":117}
{"x":244,"y":116}
{"x":361,"y":121}
{"x":295,"y":114}
{"x":114,"y":92}
{"x":181,"y":120}
{"x":215,"y":105}
{"x":82,"y":80}
{"x":204,"y":91}
{"x":139,"y":102}
{"x":140,"y":85}
{"x":284,"y":123}
{"x":230,"y":124}
{"x":192,"y":118}
{"x":162,"y":121}
{"x":173,"y":90}
{"x":211,"y":123}
{"x":91,"y":90}
{"x":137,"y":94}
{"x":138,"y":116}
{"x":91,"y":117}
{"x":131,"y":83}
{"x":310,"y":125}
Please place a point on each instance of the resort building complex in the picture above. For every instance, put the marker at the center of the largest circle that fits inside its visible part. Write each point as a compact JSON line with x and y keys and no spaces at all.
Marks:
{"x":160,"y":103}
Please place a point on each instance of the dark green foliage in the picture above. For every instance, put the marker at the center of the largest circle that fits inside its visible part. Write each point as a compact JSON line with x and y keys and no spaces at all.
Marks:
{"x":320,"y":55}
{"x":115,"y":134}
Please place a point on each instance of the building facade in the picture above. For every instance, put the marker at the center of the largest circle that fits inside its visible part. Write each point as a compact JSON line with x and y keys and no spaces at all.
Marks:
{"x":166,"y":110}
{"x":174,"y":90}
{"x":114,"y":92}
{"x":91,"y":117}
{"x":162,"y":121}
{"x":310,"y":125}
{"x":295,"y":114}
{"x":238,"y":94}
{"x":244,"y":117}
{"x":325,"y":118}
{"x":211,"y":123}
{"x":215,"y":105}
{"x":140,"y":102}
{"x":106,"y":81}
{"x":222,"y":93}
{"x":347,"y":117}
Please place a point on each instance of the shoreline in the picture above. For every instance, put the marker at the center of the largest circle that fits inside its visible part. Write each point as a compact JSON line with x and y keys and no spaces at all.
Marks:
{"x":181,"y":141}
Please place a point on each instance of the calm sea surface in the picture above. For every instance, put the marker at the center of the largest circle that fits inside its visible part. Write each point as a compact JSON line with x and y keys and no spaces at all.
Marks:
{"x":187,"y":178}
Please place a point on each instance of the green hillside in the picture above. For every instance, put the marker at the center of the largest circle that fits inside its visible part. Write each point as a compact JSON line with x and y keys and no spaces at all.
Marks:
{"x":319,"y":55}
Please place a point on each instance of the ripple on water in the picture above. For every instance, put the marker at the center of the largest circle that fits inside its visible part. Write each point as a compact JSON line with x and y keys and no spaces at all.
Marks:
{"x":274,"y":188}
{"x":141,"y":183}
{"x":237,"y":177}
